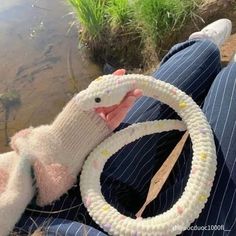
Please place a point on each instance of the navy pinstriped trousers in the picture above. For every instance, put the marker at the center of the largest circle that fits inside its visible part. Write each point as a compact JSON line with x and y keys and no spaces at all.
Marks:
{"x":194,"y":67}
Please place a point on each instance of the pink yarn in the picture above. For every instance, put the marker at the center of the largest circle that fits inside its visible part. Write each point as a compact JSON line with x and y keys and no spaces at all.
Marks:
{"x":87,"y":201}
{"x":194,"y":170}
{"x":52,"y":181}
{"x":3,"y":180}
{"x":180,"y":210}
{"x":95,"y":164}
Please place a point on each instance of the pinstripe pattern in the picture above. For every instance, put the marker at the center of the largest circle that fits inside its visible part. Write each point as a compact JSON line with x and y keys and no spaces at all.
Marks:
{"x":222,"y":117}
{"x":192,"y":66}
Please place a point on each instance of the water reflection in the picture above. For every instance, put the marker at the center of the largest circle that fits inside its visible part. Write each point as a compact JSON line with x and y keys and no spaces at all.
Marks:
{"x":39,"y":59}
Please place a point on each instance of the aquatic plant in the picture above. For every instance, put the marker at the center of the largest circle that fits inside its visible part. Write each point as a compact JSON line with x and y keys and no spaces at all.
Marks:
{"x":9,"y":100}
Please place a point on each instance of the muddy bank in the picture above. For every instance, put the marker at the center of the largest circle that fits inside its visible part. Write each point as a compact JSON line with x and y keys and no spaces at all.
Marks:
{"x":37,"y":51}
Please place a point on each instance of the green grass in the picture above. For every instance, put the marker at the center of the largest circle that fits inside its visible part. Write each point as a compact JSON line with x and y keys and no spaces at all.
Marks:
{"x":90,"y":14}
{"x":121,"y":29}
{"x":159,"y":16}
{"x":158,"y":21}
{"x":120,"y":13}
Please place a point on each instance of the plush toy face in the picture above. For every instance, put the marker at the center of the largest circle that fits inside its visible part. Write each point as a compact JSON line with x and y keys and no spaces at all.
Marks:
{"x":103,"y":92}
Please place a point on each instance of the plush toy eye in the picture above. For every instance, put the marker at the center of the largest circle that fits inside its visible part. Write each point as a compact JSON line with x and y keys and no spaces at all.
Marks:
{"x":97,"y":100}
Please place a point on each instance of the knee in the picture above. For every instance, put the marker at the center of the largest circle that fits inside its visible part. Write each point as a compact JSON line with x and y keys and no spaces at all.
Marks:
{"x":202,"y":51}
{"x":209,"y":50}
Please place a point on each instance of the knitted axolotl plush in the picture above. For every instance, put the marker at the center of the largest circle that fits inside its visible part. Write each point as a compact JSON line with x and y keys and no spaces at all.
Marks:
{"x":53,"y":153}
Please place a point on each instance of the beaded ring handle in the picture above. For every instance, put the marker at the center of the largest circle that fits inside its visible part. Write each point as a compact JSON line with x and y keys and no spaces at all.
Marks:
{"x":110,"y":90}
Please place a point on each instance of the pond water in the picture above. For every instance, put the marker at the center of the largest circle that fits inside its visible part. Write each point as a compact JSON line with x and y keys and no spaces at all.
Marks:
{"x":38,"y":56}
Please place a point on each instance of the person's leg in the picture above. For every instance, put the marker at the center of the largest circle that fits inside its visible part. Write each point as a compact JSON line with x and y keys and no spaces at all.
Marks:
{"x":219,"y":108}
{"x":219,"y":215}
{"x":191,"y":66}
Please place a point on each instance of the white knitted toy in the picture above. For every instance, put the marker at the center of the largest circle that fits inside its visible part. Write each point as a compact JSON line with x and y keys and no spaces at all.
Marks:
{"x":110,"y":90}
{"x":57,"y":152}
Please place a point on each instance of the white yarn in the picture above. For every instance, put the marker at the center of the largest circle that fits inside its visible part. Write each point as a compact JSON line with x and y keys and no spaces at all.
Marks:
{"x":111,"y":90}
